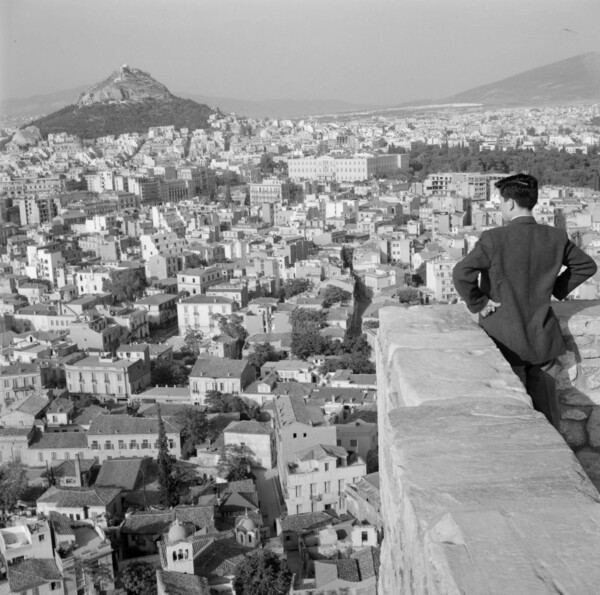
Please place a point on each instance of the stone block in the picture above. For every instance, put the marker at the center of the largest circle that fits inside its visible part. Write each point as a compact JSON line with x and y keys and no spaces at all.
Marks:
{"x":593,"y":427}
{"x":575,"y":413}
{"x":591,"y":376}
{"x":575,"y":397}
{"x":573,"y":432}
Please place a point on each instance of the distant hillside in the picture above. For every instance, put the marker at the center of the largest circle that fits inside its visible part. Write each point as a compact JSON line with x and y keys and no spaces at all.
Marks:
{"x":129,"y":100}
{"x":101,"y":119}
{"x":574,"y":80}
{"x":39,"y":104}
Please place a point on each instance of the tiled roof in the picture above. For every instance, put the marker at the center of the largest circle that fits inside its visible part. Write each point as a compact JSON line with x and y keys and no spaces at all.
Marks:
{"x":220,"y":558}
{"x":61,"y":405}
{"x":216,"y":367}
{"x":67,"y":497}
{"x":32,"y":573}
{"x":309,"y":520}
{"x":33,"y":405}
{"x":48,"y":440}
{"x":67,"y":468}
{"x":294,"y":389}
{"x":207,"y":299}
{"x":157,"y":522}
{"x":247,"y":427}
{"x":109,"y":425}
{"x":119,"y":473}
{"x":320,"y":452}
{"x":293,"y":409}
{"x":177,"y":583}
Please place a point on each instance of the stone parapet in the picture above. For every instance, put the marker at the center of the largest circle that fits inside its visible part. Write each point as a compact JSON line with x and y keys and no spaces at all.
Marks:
{"x":479,"y":493}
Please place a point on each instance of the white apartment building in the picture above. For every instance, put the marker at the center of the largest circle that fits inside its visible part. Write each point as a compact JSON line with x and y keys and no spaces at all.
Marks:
{"x":439,"y":279}
{"x":198,"y":312}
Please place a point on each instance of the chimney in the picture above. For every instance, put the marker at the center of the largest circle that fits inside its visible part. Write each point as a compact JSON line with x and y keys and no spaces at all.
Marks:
{"x":77,"y":471}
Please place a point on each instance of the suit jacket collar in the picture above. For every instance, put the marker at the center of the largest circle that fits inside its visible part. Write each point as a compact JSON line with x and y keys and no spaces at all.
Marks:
{"x":523,"y":220}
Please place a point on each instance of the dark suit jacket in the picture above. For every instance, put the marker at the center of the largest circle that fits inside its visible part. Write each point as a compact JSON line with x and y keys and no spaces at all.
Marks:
{"x":520,"y":267}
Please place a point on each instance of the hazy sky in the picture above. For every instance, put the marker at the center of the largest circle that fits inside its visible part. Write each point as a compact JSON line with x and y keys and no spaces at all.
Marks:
{"x":376,"y":51}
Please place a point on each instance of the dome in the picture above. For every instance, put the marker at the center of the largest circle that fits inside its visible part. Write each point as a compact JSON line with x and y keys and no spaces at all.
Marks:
{"x":177,"y":532}
{"x":247,"y":524}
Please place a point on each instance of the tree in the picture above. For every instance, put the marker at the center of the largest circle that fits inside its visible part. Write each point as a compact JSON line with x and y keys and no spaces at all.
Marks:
{"x":126,"y":286}
{"x":347,"y":257}
{"x":235,"y":462}
{"x":194,"y":429}
{"x":408,"y":295}
{"x":138,"y":577}
{"x":218,"y":402}
{"x":306,"y":338}
{"x":262,"y":572}
{"x":166,"y":479}
{"x":266,"y":164}
{"x":263,"y":353}
{"x":293,"y":287}
{"x":192,"y":342}
{"x":233,"y":326}
{"x":168,"y":373}
{"x":13,"y":484}
{"x":93,"y":573}
{"x":334,"y":295}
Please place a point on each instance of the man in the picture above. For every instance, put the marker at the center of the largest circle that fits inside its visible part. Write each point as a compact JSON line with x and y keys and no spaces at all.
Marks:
{"x":520,"y":267}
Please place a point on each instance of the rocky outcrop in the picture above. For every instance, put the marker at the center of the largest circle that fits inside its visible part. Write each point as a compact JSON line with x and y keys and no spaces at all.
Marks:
{"x":125,"y":84}
{"x":479,"y":492}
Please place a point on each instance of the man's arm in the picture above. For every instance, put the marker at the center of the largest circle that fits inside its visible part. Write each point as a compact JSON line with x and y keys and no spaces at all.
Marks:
{"x":466,"y":275}
{"x":580,"y":267}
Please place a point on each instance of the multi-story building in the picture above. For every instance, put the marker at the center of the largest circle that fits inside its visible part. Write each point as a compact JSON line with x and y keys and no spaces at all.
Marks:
{"x":114,"y":436}
{"x":200,"y":312}
{"x":108,"y":377}
{"x":258,"y":437}
{"x":317,"y":477}
{"x":197,"y":281}
{"x":162,"y":308}
{"x":18,"y":382}
{"x":216,"y":374}
{"x":269,"y":191}
{"x":439,"y":279}
{"x":35,"y":210}
{"x":346,"y":168}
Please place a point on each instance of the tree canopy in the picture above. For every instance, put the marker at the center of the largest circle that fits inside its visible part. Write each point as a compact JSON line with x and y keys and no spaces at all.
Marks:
{"x":293,"y":287}
{"x":218,"y":402}
{"x":263,"y":353}
{"x":192,"y":342}
{"x":13,"y":484}
{"x":138,"y":577}
{"x":262,"y":572}
{"x":194,"y":428}
{"x":334,"y":294}
{"x":126,"y":286}
{"x":235,"y":462}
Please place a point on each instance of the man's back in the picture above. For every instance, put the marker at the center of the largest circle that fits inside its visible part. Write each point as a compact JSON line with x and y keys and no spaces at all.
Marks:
{"x":520,"y":265}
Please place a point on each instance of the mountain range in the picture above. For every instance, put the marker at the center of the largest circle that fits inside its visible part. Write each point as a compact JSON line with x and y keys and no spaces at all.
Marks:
{"x":573,"y":80}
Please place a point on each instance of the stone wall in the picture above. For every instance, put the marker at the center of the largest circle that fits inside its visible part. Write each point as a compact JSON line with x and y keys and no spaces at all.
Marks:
{"x":479,"y":493}
{"x":578,"y":382}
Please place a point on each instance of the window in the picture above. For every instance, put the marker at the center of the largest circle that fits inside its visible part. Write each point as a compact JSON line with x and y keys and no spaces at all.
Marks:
{"x":364,"y":536}
{"x":298,"y":491}
{"x":327,"y":487}
{"x":295,"y":435}
{"x":353,"y":442}
{"x":41,"y":537}
{"x":326,"y":466}
{"x":145,"y":444}
{"x":95,"y":445}
{"x":41,"y":457}
{"x":122,"y":445}
{"x":133,"y":444}
{"x":108,"y":445}
{"x":54,"y":456}
{"x":67,"y":456}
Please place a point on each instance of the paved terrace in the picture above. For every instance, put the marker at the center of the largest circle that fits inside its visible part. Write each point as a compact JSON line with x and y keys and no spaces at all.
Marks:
{"x":480,"y":494}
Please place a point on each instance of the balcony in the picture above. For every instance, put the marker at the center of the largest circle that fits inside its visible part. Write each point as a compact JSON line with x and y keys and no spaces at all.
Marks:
{"x":479,"y":492}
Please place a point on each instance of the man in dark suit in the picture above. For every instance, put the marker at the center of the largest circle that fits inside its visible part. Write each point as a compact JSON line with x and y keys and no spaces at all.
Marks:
{"x":520,"y":266}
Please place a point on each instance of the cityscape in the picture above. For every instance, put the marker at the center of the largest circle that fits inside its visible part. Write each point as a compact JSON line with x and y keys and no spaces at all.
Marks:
{"x":195,"y":390}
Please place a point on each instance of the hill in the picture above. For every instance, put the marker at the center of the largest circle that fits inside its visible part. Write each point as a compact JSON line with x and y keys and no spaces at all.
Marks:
{"x":573,"y":80}
{"x":129,"y":100}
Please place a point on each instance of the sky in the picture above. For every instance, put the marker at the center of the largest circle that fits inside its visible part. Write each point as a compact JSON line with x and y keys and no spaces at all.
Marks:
{"x":362,"y":51}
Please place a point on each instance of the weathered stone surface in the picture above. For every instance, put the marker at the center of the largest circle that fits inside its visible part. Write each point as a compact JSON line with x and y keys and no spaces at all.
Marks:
{"x":590,"y":461}
{"x":575,"y":414}
{"x":573,"y":432}
{"x":593,"y":427}
{"x":577,"y":398}
{"x":479,"y":493}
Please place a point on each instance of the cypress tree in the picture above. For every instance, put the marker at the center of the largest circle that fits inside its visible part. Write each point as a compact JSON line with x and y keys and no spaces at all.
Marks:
{"x":166,"y":481}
